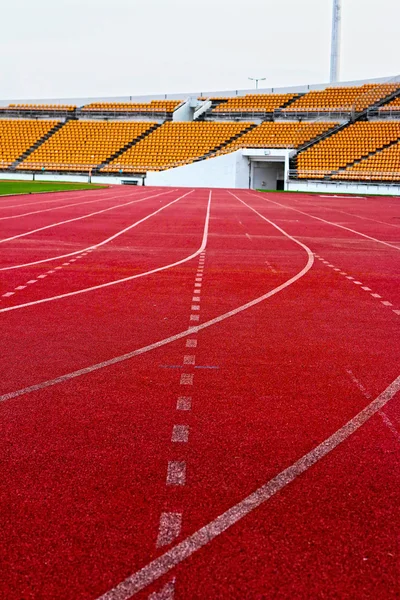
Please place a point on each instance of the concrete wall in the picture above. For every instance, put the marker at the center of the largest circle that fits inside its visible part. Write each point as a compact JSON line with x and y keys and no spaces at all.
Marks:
{"x":343,"y":188}
{"x":266,"y":174}
{"x":228,"y":171}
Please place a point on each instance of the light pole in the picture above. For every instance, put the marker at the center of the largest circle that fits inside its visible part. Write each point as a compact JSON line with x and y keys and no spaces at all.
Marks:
{"x":336,"y":35}
{"x":257,"y":79}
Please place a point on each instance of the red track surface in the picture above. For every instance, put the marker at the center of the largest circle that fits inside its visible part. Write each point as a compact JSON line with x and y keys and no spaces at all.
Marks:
{"x":84,"y":461}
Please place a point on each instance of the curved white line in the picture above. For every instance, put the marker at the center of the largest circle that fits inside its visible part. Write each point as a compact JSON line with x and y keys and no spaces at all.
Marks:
{"x":191,"y":330}
{"x":176,"y":555}
{"x":117,"y":281}
{"x":35,"y":212}
{"x":93,"y":247}
{"x":98,"y":212}
{"x":326,"y":221}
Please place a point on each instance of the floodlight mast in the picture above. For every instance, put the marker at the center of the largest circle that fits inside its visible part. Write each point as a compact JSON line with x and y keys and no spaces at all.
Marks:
{"x":336,"y":39}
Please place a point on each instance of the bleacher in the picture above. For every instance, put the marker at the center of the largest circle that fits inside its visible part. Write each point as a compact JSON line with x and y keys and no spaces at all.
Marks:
{"x":348,"y":145}
{"x":253,"y":104}
{"x":175,"y":144}
{"x":161,"y":108}
{"x":83,"y":145}
{"x":17,"y":136}
{"x":341,"y":100}
{"x":383,"y":166}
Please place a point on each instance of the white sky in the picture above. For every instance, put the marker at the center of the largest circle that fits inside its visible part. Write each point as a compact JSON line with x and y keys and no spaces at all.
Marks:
{"x":72,"y":48}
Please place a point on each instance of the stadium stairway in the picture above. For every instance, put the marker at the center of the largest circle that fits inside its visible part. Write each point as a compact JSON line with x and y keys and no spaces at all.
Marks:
{"x":379,"y":103}
{"x":359,"y":160}
{"x":36,"y":145}
{"x":226,"y":142}
{"x":130,"y":144}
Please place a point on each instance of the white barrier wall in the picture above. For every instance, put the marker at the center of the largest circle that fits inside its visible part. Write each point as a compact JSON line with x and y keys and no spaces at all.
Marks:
{"x":342,"y":188}
{"x":228,"y":171}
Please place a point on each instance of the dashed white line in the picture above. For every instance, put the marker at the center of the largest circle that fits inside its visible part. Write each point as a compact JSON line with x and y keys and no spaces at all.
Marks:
{"x":32,"y":281}
{"x":196,"y":299}
{"x":366,"y":289}
{"x":8,"y":294}
{"x":349,"y":277}
{"x":42,"y":276}
{"x":189,"y":359}
{"x":176,"y":474}
{"x":169,"y":528}
{"x":167,"y":592}
{"x":191,"y":343}
{"x":21,"y":287}
{"x":376,"y":296}
{"x":184,"y":403}
{"x":186,"y":379}
{"x":389,"y":424}
{"x":195,"y":317}
{"x":195,"y":307}
{"x":357,"y":282}
{"x":397,"y":312}
{"x":386,"y":303}
{"x":180,"y":434}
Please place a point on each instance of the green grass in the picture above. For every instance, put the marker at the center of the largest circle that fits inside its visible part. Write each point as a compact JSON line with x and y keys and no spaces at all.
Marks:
{"x":32,"y":187}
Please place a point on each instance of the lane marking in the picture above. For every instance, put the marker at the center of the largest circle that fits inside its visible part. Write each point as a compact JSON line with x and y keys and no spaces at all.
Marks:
{"x":389,"y":424}
{"x":32,"y":281}
{"x":193,"y":543}
{"x":197,"y":285}
{"x":357,"y":282}
{"x":397,"y":312}
{"x":195,"y":307}
{"x":386,"y":303}
{"x":376,"y":296}
{"x":8,"y":294}
{"x":196,"y":299}
{"x":191,"y":343}
{"x":180,"y":434}
{"x":184,"y":403}
{"x":195,"y":329}
{"x":41,"y":276}
{"x":360,"y":386}
{"x":186,"y":379}
{"x":189,"y":359}
{"x":167,"y":592}
{"x":89,"y":248}
{"x":248,"y":237}
{"x":21,"y":287}
{"x":366,"y":289}
{"x":130,"y":278}
{"x":349,"y":277}
{"x":176,"y":474}
{"x":326,"y":221}
{"x":169,"y":528}
{"x":195,"y":317}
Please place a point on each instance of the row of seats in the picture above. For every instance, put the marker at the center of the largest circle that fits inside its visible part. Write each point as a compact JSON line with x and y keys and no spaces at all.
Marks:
{"x":342,"y":99}
{"x":263,"y":103}
{"x":164,"y":106}
{"x":281,"y":135}
{"x":84,"y":144}
{"x":42,"y":107}
{"x":174,"y":144}
{"x":382,"y":166}
{"x":17,"y":136}
{"x":394,"y":105}
{"x":351,"y":143}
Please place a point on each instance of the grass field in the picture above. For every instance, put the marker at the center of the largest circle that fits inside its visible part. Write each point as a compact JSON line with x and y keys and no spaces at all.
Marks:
{"x":32,"y":187}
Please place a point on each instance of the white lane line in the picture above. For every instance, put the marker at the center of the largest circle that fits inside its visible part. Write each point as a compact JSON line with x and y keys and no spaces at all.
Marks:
{"x":191,"y":343}
{"x":167,"y":592}
{"x":176,"y":555}
{"x":196,"y":299}
{"x":176,"y":474}
{"x":195,"y":329}
{"x":360,"y":386}
{"x":58,"y":268}
{"x":194,"y":317}
{"x":32,"y":281}
{"x":198,"y":279}
{"x":184,"y":403}
{"x":357,"y":282}
{"x":132,"y":277}
{"x":386,"y":303}
{"x":89,"y":248}
{"x":368,"y":237}
{"x":195,"y":307}
{"x":189,"y":359}
{"x":248,"y":237}
{"x":53,"y":271}
{"x":197,"y":285}
{"x":54,"y":208}
{"x":366,"y":289}
{"x":97,"y":212}
{"x":8,"y":294}
{"x":64,"y":265}
{"x":336,"y":269}
{"x":36,"y":201}
{"x":349,"y":277}
{"x":42,"y":276}
{"x":186,"y":379}
{"x":389,"y":424}
{"x":180,"y":434}
{"x":376,"y":296}
{"x":20,"y":287}
{"x":169,"y":528}
{"x":343,"y":273}
{"x":397,"y":312}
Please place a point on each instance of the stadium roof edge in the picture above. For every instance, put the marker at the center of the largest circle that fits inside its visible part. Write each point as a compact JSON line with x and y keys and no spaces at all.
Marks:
{"x":182,"y":96}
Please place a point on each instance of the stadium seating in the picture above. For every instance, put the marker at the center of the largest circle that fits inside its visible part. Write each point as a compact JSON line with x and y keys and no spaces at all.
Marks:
{"x":82,"y":145}
{"x":342,"y":99}
{"x":17,"y":136}
{"x":280,"y":135}
{"x":155,"y":106}
{"x":37,"y":108}
{"x":382,"y":166}
{"x":352,"y":143}
{"x":252,"y":103}
{"x":393,"y":106}
{"x":174,"y":144}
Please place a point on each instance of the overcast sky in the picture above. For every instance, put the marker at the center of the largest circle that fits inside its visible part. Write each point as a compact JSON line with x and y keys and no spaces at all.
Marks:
{"x":72,"y":48}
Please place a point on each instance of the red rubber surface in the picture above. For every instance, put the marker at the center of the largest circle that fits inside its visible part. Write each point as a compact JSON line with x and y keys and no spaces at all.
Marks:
{"x":83,"y":480}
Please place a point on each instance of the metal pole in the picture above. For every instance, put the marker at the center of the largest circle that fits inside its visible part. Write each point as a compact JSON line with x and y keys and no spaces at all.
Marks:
{"x":336,"y":39}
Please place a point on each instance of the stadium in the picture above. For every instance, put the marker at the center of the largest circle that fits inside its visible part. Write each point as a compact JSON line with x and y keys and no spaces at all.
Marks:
{"x":200,"y":324}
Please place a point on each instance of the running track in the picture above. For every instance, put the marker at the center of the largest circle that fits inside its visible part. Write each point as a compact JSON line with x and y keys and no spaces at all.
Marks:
{"x":199,"y":395}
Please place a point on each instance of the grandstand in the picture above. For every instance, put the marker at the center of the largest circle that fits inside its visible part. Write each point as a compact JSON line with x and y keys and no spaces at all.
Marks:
{"x":346,"y":134}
